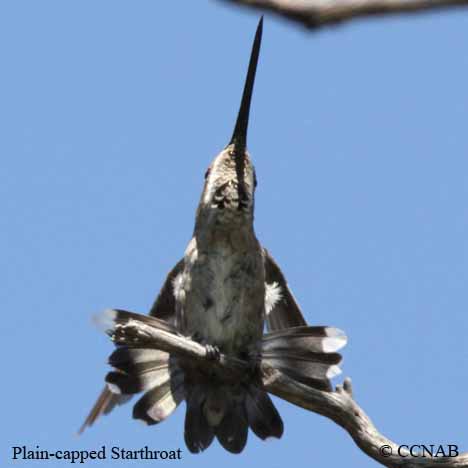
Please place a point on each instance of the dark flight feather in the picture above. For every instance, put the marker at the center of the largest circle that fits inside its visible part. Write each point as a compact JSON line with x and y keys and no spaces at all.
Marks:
{"x":137,"y":382}
{"x":136,"y":360}
{"x":305,"y":339}
{"x":198,"y":434}
{"x":286,"y":313}
{"x":157,"y":404}
{"x":262,"y":416}
{"x":164,"y":309}
{"x":233,"y":430}
{"x":305,"y":354}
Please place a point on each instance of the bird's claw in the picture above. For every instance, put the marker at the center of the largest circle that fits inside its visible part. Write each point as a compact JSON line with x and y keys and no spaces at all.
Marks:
{"x":212,"y":352}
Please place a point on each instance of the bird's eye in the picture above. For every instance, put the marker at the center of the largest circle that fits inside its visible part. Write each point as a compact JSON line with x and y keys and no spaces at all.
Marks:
{"x":207,"y":173}
{"x":255,"y":180}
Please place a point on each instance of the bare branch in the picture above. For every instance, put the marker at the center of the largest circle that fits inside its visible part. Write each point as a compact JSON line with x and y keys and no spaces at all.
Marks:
{"x":146,"y":334}
{"x":339,"y":406}
{"x":314,"y":14}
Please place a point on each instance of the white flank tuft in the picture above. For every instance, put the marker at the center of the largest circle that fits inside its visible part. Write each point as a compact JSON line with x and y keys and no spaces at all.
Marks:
{"x":178,"y":287}
{"x":272,"y":296}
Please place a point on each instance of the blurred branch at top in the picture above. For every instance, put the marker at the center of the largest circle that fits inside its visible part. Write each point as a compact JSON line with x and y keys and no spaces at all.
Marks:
{"x":314,"y":14}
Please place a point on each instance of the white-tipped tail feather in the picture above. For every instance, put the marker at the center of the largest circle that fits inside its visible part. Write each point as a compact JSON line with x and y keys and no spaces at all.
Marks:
{"x":105,"y":321}
{"x":113,"y":388}
{"x":333,"y":371}
{"x":334,"y":341}
{"x":306,"y":354}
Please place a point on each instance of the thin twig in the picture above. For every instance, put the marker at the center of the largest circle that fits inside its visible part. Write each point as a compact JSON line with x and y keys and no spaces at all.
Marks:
{"x":340,"y":407}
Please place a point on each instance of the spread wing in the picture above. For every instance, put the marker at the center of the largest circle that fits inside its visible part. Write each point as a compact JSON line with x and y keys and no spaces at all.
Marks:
{"x":282,"y":310}
{"x":305,"y":354}
{"x":164,"y":305}
{"x":164,"y":309}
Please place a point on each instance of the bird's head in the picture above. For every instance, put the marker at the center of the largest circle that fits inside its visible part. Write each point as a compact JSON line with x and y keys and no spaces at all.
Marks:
{"x":230,"y":180}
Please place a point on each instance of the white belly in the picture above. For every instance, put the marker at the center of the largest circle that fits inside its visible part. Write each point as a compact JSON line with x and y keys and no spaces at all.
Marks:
{"x":222,"y":298}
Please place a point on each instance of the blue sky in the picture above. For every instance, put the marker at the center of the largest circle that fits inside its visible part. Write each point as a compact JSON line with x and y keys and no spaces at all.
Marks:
{"x":110,"y":113}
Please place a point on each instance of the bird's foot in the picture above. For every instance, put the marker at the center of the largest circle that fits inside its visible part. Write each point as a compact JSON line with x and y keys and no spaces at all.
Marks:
{"x":212,"y":352}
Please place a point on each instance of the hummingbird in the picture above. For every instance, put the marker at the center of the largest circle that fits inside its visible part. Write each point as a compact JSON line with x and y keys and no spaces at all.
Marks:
{"x":222,"y":294}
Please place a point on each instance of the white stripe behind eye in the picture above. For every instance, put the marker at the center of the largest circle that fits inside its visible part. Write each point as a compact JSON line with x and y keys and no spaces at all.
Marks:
{"x":210,"y":184}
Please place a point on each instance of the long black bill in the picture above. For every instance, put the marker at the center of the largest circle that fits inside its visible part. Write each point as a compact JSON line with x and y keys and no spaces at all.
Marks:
{"x":239,"y":136}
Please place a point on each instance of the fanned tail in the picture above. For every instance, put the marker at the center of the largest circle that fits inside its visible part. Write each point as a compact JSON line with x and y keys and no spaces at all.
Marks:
{"x":161,"y":401}
{"x":214,"y":408}
{"x":111,"y":320}
{"x":105,"y":403}
{"x":198,"y":433}
{"x":233,"y":429}
{"x":262,"y":415}
{"x":138,"y":368}
{"x":227,"y":413}
{"x":306,"y":354}
{"x":214,"y":411}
